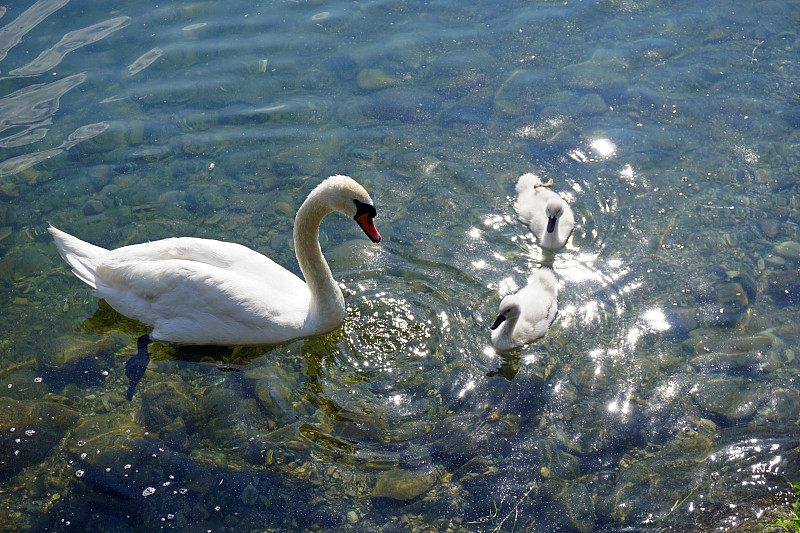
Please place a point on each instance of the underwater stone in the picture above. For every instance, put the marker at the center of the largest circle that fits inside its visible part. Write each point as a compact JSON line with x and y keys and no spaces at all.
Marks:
{"x":404,"y":104}
{"x":23,"y":262}
{"x":271,"y":386}
{"x":591,"y":76}
{"x":784,"y":287}
{"x":166,"y":401}
{"x":400,"y":484}
{"x":654,"y":49}
{"x":79,"y":361}
{"x":372,"y":79}
{"x":24,"y":382}
{"x":591,"y":103}
{"x":350,"y":254}
{"x":5,"y":232}
{"x":250,"y":495}
{"x":175,"y":435}
{"x":729,"y":362}
{"x":522,"y":91}
{"x":220,"y":412}
{"x":732,"y":345}
{"x":28,"y":431}
{"x":553,"y":461}
{"x":578,"y":507}
{"x":93,"y":207}
{"x":769,"y":227}
{"x":788,"y":249}
{"x":461,"y":73}
{"x":468,"y":115}
{"x":732,"y":296}
{"x":342,"y":66}
{"x":731,"y":399}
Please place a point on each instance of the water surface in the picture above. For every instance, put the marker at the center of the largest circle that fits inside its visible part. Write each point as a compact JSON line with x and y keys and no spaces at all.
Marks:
{"x":663,"y":397}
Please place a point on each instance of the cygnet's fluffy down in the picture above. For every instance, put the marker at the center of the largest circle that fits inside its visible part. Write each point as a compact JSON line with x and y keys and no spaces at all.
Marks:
{"x":547,"y":214}
{"x":526,"y":315}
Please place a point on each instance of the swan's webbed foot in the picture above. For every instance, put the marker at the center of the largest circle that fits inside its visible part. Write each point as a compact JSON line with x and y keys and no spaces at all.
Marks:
{"x":548,"y":184}
{"x":137,"y":364}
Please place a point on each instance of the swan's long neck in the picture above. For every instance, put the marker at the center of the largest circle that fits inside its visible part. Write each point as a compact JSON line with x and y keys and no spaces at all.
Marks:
{"x":507,"y":331}
{"x":327,"y":301}
{"x":550,"y":240}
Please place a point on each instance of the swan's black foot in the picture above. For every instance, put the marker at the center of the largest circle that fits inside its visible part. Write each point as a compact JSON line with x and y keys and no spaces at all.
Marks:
{"x":137,"y":364}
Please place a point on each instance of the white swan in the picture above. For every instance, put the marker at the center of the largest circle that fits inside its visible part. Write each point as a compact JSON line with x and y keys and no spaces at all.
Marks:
{"x":526,"y":315}
{"x":203,"y":291}
{"x":547,"y":214}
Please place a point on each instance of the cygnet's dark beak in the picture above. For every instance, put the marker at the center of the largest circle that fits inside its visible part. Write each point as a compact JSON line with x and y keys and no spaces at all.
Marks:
{"x":551,"y":224}
{"x":497,"y":321}
{"x":364,"y":215}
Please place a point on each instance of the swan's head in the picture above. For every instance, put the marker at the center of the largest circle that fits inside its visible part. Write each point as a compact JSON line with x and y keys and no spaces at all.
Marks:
{"x":553,"y":209}
{"x":346,"y":195}
{"x":509,"y":310}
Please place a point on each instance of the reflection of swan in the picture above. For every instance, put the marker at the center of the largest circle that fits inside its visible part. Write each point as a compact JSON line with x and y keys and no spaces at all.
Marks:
{"x":203,"y":291}
{"x":545,"y":212}
{"x":526,"y":315}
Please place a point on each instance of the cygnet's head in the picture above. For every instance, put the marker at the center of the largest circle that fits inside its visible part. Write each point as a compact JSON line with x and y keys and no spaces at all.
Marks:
{"x":553,"y":209}
{"x":509,"y":310}
{"x":346,"y":195}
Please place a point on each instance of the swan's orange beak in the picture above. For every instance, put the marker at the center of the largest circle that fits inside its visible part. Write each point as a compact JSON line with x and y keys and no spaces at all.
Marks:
{"x":365,"y":221}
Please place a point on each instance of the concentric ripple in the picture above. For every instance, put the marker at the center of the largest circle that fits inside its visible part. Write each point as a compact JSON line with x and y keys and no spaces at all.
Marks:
{"x":390,"y":388}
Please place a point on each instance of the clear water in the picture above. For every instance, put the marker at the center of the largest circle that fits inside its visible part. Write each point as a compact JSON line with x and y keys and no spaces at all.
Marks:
{"x":664,"y":396}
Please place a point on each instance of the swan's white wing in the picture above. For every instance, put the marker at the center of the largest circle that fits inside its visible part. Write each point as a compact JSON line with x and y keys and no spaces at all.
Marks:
{"x":530,"y":207}
{"x":189,"y":300}
{"x":539,"y":305}
{"x":566,"y":223}
{"x":226,"y":255}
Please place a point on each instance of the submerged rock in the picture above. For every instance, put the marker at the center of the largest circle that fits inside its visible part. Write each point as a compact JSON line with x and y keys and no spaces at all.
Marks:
{"x":398,"y":484}
{"x":405,"y":104}
{"x":733,"y":345}
{"x":593,"y":75}
{"x":578,"y":507}
{"x":250,"y":495}
{"x":783,"y":287}
{"x":78,"y":361}
{"x":29,"y":430}
{"x":24,"y":382}
{"x":522,"y":91}
{"x":165,"y":402}
{"x":723,"y":362}
{"x":371,"y":79}
{"x":728,"y":399}
{"x":788,"y":249}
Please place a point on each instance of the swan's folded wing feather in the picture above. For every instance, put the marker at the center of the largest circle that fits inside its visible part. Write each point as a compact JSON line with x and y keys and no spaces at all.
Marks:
{"x":530,"y":208}
{"x":226,"y":255}
{"x":156,"y":292}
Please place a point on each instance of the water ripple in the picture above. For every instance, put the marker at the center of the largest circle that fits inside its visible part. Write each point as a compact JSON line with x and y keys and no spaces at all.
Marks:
{"x":12,"y":33}
{"x":71,"y":41}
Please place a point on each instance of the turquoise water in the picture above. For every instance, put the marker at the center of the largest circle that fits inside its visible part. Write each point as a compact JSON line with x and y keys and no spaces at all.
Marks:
{"x":664,"y":396}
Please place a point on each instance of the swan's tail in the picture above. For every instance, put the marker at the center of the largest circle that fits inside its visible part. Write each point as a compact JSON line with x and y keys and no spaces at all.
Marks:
{"x":81,"y":256}
{"x":530,"y":181}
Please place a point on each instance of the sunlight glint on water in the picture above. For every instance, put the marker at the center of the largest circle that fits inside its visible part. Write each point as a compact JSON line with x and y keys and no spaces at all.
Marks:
{"x":664,"y":394}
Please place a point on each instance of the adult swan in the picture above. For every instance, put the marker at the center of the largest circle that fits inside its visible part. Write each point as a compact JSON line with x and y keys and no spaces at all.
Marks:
{"x":203,"y":291}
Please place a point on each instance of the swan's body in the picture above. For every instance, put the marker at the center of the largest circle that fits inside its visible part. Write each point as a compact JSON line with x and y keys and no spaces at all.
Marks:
{"x":547,"y":214}
{"x":526,"y":315}
{"x":204,"y":291}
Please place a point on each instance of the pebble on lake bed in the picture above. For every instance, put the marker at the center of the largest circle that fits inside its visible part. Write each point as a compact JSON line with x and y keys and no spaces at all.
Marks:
{"x":400,"y":484}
